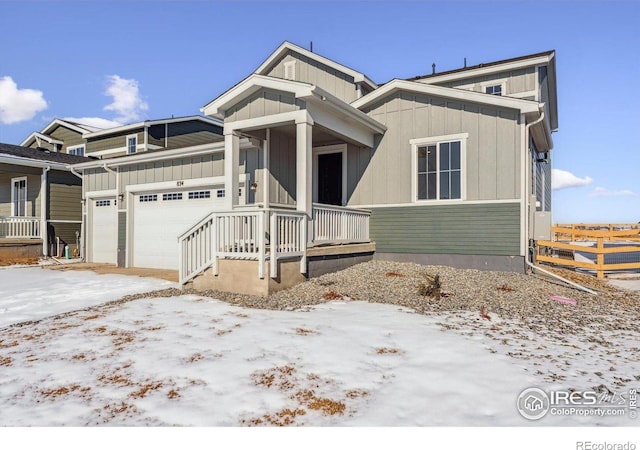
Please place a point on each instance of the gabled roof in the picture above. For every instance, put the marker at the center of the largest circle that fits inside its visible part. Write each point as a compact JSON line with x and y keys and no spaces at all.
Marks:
{"x":286,"y":46}
{"x":24,"y":155}
{"x":494,"y":66}
{"x":396,"y":85}
{"x":148,"y":123}
{"x":253,"y":83}
{"x":305,"y":91}
{"x":74,"y":126}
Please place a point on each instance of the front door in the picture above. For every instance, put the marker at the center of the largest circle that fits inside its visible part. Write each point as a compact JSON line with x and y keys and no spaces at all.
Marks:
{"x":330,"y":179}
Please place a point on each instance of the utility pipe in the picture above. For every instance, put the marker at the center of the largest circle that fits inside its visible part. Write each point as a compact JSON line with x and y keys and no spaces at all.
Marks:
{"x":558,"y":277}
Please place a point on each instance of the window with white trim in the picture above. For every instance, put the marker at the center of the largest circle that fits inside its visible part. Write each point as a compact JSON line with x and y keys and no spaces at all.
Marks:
{"x":220,"y":193}
{"x":103,"y":203}
{"x":148,"y":198}
{"x":19,"y":196}
{"x":438,"y":165}
{"x":132,"y":144}
{"x":493,"y":90}
{"x":77,"y":150}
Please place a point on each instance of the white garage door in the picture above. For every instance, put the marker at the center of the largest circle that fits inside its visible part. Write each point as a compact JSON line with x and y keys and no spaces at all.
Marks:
{"x":160,"y":217}
{"x":104,"y":231}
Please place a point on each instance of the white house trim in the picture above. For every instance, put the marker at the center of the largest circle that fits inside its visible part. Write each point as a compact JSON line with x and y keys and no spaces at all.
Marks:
{"x":418,"y":142}
{"x":100,"y":194}
{"x":148,"y":123}
{"x":248,"y":86}
{"x":434,"y":203}
{"x":494,"y":68}
{"x":327,"y":149}
{"x":273,"y":120}
{"x":358,"y":77}
{"x":526,"y":106}
{"x":18,"y":161}
{"x":13,"y":195}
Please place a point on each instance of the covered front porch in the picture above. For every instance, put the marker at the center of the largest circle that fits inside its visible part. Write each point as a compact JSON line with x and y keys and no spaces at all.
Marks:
{"x":297,"y":201}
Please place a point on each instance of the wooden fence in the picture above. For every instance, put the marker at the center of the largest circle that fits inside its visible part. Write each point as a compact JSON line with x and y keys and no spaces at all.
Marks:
{"x":562,"y":253}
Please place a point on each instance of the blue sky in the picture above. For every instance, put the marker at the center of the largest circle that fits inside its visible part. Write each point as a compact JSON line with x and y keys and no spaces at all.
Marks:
{"x":128,"y":61}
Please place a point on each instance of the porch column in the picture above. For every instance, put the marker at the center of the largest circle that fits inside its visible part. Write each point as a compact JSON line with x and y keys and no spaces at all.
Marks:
{"x":304,"y":172}
{"x":44,"y":235}
{"x":231,"y":169}
{"x":266,"y":172}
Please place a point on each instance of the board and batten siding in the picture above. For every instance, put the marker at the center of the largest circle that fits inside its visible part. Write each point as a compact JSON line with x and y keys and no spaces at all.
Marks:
{"x":265,"y":102}
{"x":313,"y":72}
{"x":515,"y":81}
{"x":464,"y":229}
{"x":383,"y":174}
{"x":98,"y":180}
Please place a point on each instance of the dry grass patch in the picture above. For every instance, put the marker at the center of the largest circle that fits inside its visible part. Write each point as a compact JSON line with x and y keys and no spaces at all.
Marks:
{"x":282,"y":418}
{"x":4,"y":344}
{"x":193,"y":358}
{"x":394,"y":275}
{"x":18,"y":260}
{"x":115,"y":379}
{"x":305,"y":331}
{"x":145,"y":389}
{"x":92,"y":317}
{"x":64,"y":391}
{"x":173,"y":394}
{"x":5,"y":361}
{"x":505,"y":288}
{"x":332,"y":295}
{"x":278,"y":377}
{"x":387,"y":351}
{"x":356,"y":393}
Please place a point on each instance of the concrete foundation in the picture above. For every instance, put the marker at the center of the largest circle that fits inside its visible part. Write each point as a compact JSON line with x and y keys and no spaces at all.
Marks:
{"x":241,"y":276}
{"x":480,"y":262}
{"x":20,"y":248}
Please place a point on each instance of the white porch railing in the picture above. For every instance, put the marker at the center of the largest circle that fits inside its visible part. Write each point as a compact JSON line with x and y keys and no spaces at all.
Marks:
{"x":265,"y":234}
{"x":19,"y":227}
{"x":337,"y":224}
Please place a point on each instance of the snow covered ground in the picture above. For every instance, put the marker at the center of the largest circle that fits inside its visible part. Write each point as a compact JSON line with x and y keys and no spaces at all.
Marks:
{"x":189,"y":360}
{"x":34,"y":293}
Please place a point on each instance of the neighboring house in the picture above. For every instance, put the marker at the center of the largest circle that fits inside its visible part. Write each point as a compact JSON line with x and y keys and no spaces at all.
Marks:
{"x":40,"y":202}
{"x":320,"y":167}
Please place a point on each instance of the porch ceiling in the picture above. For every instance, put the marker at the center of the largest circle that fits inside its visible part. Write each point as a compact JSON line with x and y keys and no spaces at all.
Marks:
{"x":320,"y":135}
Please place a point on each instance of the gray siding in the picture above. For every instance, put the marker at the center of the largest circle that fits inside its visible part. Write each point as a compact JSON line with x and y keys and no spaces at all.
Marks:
{"x":7,"y":172}
{"x":516,"y":81}
{"x":122,"y":238}
{"x":188,"y":134}
{"x":113,"y":142}
{"x":309,"y":71}
{"x":171,"y":170}
{"x":98,"y":180}
{"x":282,"y":165}
{"x":487,"y":229}
{"x":65,"y":201}
{"x":382,"y":175}
{"x":265,"y":102}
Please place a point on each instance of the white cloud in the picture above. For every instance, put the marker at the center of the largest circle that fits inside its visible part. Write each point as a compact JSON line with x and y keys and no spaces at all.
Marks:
{"x":96,"y":122}
{"x":17,"y":105}
{"x":599,"y":191}
{"x":127,"y":101}
{"x":562,"y":179}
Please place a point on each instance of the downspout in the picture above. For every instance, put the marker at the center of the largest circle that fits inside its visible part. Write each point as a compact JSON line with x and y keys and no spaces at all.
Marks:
{"x":43,"y":211}
{"x":527,"y":179}
{"x":558,"y":277}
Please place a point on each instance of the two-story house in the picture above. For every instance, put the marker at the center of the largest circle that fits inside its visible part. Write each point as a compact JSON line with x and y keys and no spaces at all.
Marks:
{"x":317,"y":167}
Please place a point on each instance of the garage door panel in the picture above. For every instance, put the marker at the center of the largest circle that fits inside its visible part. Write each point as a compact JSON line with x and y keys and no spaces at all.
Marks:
{"x":160,"y":217}
{"x":104,"y":231}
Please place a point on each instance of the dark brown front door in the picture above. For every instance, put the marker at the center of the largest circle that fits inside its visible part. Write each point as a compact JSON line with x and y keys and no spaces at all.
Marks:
{"x":330,"y":179}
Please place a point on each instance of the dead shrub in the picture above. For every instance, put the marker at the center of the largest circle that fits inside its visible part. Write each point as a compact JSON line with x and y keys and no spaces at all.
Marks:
{"x":505,"y":288}
{"x":332,"y":295}
{"x":394,"y":274}
{"x":431,"y":287}
{"x":484,"y":314}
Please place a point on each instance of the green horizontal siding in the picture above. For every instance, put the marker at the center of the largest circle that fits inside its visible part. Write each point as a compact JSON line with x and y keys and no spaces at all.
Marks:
{"x":478,"y":229}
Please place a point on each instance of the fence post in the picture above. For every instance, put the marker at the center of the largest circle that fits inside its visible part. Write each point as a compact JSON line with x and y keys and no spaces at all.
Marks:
{"x":600,"y":258}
